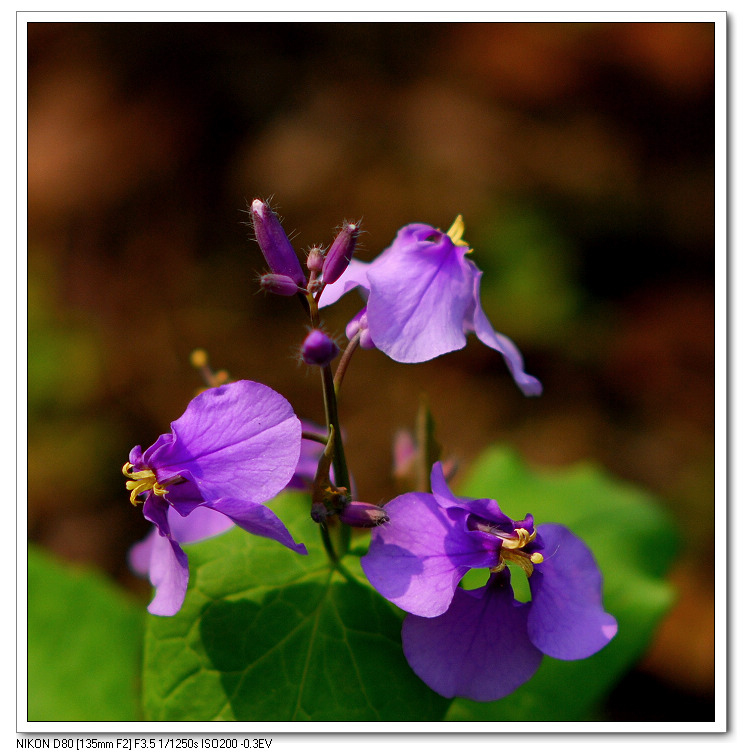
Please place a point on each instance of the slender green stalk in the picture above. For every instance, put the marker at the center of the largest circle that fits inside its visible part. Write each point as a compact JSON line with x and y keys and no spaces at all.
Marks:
{"x":340,"y":468}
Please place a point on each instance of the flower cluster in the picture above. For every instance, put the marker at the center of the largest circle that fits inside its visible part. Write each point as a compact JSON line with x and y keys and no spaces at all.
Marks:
{"x":239,"y":444}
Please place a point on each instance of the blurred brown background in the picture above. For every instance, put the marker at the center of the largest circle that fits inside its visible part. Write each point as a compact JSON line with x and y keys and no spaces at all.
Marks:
{"x":581,"y":156}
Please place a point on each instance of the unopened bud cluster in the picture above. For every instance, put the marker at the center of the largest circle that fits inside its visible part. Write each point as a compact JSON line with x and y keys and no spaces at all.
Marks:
{"x":283,"y":262}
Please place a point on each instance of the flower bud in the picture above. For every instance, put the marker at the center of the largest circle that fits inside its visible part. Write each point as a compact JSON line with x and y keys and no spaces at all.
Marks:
{"x":319,"y":348}
{"x":360,"y":324}
{"x":340,"y":252}
{"x":274,"y":243}
{"x":282,"y":285}
{"x":358,"y":514}
{"x":315,"y":259}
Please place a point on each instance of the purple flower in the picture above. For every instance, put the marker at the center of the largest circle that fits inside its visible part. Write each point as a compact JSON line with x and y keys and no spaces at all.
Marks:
{"x":424,"y":297}
{"x":483,"y":644}
{"x":235,"y":447}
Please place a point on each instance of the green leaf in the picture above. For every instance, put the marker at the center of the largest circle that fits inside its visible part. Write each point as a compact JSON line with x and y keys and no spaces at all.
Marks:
{"x":84,"y":645}
{"x":634,"y":542}
{"x":268,"y":635}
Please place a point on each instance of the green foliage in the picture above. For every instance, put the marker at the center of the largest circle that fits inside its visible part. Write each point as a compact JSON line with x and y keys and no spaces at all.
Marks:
{"x":268,"y":635}
{"x":633,"y":541}
{"x":529,"y":287}
{"x":84,"y":645}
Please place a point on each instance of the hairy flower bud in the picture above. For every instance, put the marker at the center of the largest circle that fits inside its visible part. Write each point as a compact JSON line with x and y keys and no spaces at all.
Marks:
{"x":274,"y":243}
{"x":319,"y":348}
{"x":357,"y":514}
{"x":340,"y":252}
{"x":282,"y":285}
{"x":315,"y":259}
{"x":360,"y":324}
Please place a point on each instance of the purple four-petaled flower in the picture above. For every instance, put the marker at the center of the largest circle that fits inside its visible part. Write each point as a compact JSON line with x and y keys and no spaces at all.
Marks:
{"x":235,"y":447}
{"x":423,"y":298}
{"x":483,"y":644}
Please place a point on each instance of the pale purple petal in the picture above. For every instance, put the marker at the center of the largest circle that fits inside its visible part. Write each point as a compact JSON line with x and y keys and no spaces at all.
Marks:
{"x":480,"y":324}
{"x":420,"y":290}
{"x":200,"y":524}
{"x":478,"y":649}
{"x":168,"y":573}
{"x":417,"y":559}
{"x":309,"y":455}
{"x":354,"y":275}
{"x":567,"y":619}
{"x":240,"y":440}
{"x":140,"y":554}
{"x":258,"y":520}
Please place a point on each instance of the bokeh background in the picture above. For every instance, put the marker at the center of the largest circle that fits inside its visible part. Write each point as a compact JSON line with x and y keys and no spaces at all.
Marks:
{"x":581,"y":156}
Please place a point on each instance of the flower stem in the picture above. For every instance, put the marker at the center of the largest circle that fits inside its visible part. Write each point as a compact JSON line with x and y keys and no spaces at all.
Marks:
{"x":340,"y":468}
{"x":317,"y":437}
{"x":340,"y":371}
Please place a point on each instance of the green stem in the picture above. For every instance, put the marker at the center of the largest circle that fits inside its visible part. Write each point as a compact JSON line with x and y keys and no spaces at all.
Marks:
{"x":340,"y":468}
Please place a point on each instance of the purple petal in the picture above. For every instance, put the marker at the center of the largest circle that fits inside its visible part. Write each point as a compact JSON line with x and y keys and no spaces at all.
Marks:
{"x":420,"y":291}
{"x":478,"y":649}
{"x":135,"y":457}
{"x":184,"y":496}
{"x":485,"y":508}
{"x":354,"y":275}
{"x":155,"y":510}
{"x":480,"y":324}
{"x":239,"y":440}
{"x":417,"y":559}
{"x":567,"y":619}
{"x":258,"y":520}
{"x":168,"y":572}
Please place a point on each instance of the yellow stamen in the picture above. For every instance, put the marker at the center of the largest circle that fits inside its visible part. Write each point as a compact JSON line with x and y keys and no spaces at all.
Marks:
{"x":522,"y":538}
{"x":511,"y":551}
{"x":141,"y":482}
{"x":456,"y":232}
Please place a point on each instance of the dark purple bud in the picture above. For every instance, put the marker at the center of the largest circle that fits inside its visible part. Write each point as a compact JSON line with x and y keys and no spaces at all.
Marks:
{"x":358,"y":514}
{"x":282,"y":285}
{"x":319,"y":348}
{"x":275,"y":244}
{"x":340,"y":252}
{"x":315,"y":259}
